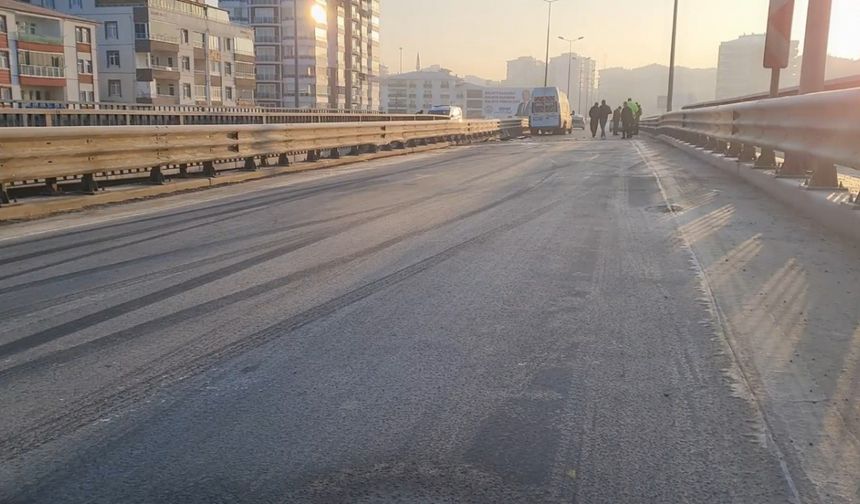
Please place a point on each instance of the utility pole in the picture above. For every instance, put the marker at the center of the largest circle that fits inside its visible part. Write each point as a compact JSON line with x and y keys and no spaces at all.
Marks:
{"x":671,"y":94}
{"x":548,"y":25}
{"x":295,"y":51}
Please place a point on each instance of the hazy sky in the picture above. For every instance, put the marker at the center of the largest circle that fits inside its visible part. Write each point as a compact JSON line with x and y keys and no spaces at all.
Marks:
{"x":478,"y":36}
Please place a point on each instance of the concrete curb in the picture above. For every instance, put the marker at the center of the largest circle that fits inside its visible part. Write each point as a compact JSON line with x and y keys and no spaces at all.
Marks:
{"x":830,"y":208}
{"x":72,"y":203}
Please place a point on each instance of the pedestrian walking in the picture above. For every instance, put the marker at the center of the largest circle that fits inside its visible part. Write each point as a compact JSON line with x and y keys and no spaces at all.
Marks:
{"x":627,"y":121}
{"x":605,"y":112}
{"x":636,"y":118}
{"x":594,"y":115}
{"x":616,"y":121}
{"x":634,"y":109}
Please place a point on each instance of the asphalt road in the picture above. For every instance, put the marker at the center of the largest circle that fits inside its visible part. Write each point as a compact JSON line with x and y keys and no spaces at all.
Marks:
{"x":515,"y":322}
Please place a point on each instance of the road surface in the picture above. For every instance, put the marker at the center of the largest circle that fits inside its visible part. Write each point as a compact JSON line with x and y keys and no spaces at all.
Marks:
{"x":546,"y":320}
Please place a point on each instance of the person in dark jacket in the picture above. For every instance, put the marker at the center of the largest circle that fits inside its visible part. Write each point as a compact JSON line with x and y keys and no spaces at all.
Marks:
{"x":594,"y":115}
{"x":605,"y":112}
{"x":627,"y":119}
{"x":616,"y":121}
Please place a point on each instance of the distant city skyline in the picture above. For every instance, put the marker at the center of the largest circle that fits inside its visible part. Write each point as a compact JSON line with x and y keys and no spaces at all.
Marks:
{"x":478,"y":37}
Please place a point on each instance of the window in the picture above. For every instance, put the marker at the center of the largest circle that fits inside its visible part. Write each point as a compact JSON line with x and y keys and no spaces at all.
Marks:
{"x":183,"y":34}
{"x":113,"y":59}
{"x":228,"y":68}
{"x":215,"y":67}
{"x":166,"y":89}
{"x":186,"y":90}
{"x":4,"y":59}
{"x":228,"y":93}
{"x":186,"y":63}
{"x":141,"y":31}
{"x":111,"y":30}
{"x":83,"y":96}
{"x":5,"y":93}
{"x":228,"y":44}
{"x":115,"y":88}
{"x":214,"y":43}
{"x":28,"y":28}
{"x":83,"y":35}
{"x":3,"y":26}
{"x":76,"y":4}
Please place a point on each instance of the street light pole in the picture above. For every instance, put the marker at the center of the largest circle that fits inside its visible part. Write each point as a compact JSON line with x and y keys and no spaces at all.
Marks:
{"x":569,"y":59}
{"x":296,"y":51}
{"x":548,"y":24}
{"x":671,"y":93}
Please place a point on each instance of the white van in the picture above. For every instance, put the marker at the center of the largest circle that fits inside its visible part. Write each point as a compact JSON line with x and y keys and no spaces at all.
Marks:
{"x":550,"y":112}
{"x":453,"y":112}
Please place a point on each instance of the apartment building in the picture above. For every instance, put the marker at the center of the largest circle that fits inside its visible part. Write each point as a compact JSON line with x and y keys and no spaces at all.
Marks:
{"x":46,"y":55}
{"x":314,"y":53}
{"x":410,"y":92}
{"x":168,"y":52}
{"x":740,"y":70}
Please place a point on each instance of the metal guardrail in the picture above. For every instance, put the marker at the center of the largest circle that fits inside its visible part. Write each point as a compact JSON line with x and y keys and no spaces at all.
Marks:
{"x":830,"y":85}
{"x":69,"y":152}
{"x":48,"y":113}
{"x":816,"y":131}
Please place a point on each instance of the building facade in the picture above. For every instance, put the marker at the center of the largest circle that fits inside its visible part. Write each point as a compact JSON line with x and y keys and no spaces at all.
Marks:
{"x":168,"y":52}
{"x":525,"y":71}
{"x":411,"y":92}
{"x":45,"y":55}
{"x":314,"y":53}
{"x":741,"y":72}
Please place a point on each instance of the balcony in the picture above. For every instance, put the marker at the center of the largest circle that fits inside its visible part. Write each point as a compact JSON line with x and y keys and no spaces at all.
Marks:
{"x":267,"y":59}
{"x":157,"y":72}
{"x":40,"y":39}
{"x":264,"y":39}
{"x":42,"y":71}
{"x":264,"y":20}
{"x":155,"y":42}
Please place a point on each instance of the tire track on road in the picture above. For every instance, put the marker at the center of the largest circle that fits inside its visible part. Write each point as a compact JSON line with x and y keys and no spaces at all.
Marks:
{"x":148,"y":381}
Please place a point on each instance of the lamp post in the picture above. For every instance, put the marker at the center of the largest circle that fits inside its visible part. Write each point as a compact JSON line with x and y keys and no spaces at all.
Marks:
{"x":296,"y":51}
{"x":548,"y":23}
{"x":569,"y":59}
{"x":671,"y":94}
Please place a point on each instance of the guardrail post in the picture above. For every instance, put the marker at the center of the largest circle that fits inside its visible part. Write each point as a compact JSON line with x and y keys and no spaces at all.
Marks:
{"x":183,"y":170}
{"x":748,"y":153}
{"x":824,"y":176}
{"x":89,"y":184}
{"x":734,"y":150}
{"x":283,"y":160}
{"x":51,"y":186}
{"x":209,"y":169}
{"x":766,"y":160}
{"x":4,"y":196}
{"x":250,"y":164}
{"x":155,"y":175}
{"x":793,"y":166}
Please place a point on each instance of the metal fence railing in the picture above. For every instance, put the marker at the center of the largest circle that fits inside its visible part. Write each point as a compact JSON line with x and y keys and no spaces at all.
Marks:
{"x":816,"y":132}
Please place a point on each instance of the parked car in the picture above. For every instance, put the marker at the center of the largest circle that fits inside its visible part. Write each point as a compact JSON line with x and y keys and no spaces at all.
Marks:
{"x":578,"y":121}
